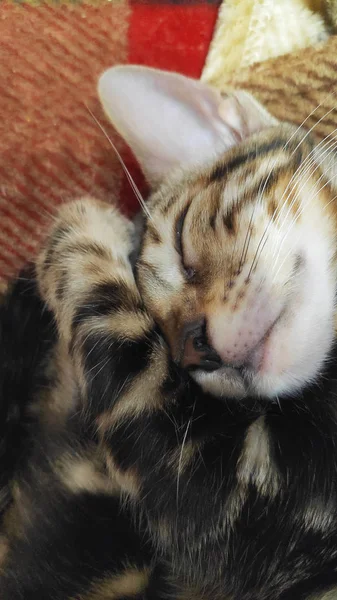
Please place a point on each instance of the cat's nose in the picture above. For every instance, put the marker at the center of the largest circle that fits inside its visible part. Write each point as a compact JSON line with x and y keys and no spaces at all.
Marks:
{"x":195,"y":350}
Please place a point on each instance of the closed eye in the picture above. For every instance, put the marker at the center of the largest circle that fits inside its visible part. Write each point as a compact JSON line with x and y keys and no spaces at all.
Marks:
{"x":179,"y":233}
{"x":189,"y":272}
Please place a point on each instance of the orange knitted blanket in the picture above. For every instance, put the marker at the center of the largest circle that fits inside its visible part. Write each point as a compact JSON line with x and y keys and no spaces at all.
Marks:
{"x":51,"y":56}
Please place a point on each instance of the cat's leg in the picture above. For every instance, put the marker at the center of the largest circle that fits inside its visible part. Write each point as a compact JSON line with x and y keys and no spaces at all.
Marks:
{"x":129,"y":387}
{"x":86,"y":279}
{"x":26,"y":340}
{"x":150,"y":419}
{"x":68,"y":540}
{"x":69,"y":533}
{"x":149,"y":416}
{"x":157,"y":435}
{"x":121,"y":363}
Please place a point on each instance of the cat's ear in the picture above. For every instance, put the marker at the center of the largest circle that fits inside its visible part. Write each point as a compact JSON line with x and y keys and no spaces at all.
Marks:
{"x":170,"y":120}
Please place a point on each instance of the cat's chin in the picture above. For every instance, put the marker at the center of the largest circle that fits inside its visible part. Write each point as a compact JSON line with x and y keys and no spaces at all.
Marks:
{"x":229,"y":383}
{"x":289,"y":358}
{"x":268,"y":381}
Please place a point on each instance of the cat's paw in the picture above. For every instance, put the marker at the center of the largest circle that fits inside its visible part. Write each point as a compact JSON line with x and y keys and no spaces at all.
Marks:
{"x":86,"y":279}
{"x":88,"y":221}
{"x":88,"y":245}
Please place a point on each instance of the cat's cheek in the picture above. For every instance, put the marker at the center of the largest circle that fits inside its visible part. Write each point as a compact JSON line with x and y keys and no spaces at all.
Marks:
{"x":291,"y":357}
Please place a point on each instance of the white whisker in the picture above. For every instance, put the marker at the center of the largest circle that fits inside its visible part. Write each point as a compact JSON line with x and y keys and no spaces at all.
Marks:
{"x":330,"y":148}
{"x":298,"y":216}
{"x":181,"y":458}
{"x":124,"y":167}
{"x":308,"y":117}
{"x":330,"y":201}
{"x":313,"y":127}
{"x":249,"y":230}
{"x":305,"y":167}
{"x":261,"y":245}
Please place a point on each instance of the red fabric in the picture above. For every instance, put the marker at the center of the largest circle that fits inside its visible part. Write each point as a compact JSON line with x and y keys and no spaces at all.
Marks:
{"x":171,"y":37}
{"x":51,"y":56}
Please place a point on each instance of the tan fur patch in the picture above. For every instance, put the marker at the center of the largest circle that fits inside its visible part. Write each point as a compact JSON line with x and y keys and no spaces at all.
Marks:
{"x":330,"y":595}
{"x":127,"y":482}
{"x":83,"y":475}
{"x":142,"y":395}
{"x":182,"y":457}
{"x":255,"y":463}
{"x":121,"y":324}
{"x":129,"y":583}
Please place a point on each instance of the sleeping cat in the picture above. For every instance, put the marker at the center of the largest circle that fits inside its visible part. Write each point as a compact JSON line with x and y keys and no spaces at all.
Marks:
{"x":174,"y":421}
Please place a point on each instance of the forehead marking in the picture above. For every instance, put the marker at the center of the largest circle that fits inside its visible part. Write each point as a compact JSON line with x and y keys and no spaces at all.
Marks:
{"x":226,"y":167}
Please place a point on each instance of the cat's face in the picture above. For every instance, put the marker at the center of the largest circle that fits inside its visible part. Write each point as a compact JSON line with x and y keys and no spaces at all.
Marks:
{"x":238,"y":259}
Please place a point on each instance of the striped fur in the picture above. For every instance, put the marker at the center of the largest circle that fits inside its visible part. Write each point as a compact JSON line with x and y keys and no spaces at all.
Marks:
{"x":148,"y":486}
{"x":232,"y":267}
{"x":135,"y":476}
{"x":249,"y":246}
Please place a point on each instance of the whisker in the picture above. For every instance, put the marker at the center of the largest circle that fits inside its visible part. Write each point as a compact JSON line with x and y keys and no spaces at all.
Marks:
{"x":330,"y":201}
{"x":258,"y":252}
{"x":248,"y":232}
{"x":124,"y":167}
{"x":248,"y":236}
{"x":305,"y":167}
{"x":231,"y":259}
{"x":278,"y":402}
{"x":247,"y":241}
{"x":327,"y":147}
{"x":313,"y":127}
{"x":298,"y":216}
{"x":331,"y":146}
{"x":264,"y":237}
{"x":308,"y":117}
{"x":311,"y":154}
{"x":181,"y":457}
{"x":323,"y":186}
{"x":104,"y":362}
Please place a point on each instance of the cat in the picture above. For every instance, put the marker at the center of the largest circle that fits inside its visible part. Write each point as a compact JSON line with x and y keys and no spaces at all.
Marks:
{"x":174,"y":420}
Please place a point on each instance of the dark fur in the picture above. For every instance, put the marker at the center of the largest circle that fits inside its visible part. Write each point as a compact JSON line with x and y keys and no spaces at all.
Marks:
{"x":62,"y":543}
{"x":26,"y":338}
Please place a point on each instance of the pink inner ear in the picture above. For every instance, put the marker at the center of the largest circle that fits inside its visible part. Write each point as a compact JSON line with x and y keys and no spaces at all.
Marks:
{"x":171,"y":121}
{"x":244,"y":115}
{"x":229,"y":112}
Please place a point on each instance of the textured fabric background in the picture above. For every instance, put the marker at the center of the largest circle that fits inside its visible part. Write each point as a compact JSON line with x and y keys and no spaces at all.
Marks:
{"x":51,"y":55}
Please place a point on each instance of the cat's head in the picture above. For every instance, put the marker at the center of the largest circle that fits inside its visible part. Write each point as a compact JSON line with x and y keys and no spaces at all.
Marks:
{"x":237,"y":264}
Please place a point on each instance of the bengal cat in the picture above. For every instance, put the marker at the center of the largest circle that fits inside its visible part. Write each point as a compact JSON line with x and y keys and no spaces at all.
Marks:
{"x":169,"y":424}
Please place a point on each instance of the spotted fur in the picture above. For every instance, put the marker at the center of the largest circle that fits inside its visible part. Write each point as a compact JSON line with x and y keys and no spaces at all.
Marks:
{"x":144,"y":468}
{"x":134,"y":476}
